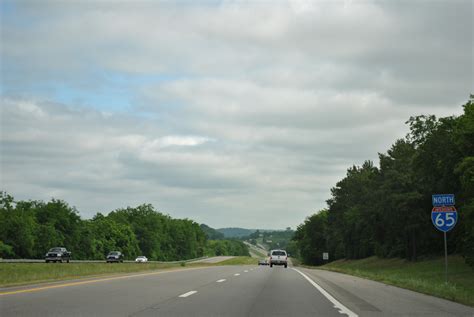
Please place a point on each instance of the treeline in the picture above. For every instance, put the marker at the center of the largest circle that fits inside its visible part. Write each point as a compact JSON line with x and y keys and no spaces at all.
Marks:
{"x":386,"y":210}
{"x":226,"y":247}
{"x":211,"y":233}
{"x":29,"y":228}
{"x":218,"y":245}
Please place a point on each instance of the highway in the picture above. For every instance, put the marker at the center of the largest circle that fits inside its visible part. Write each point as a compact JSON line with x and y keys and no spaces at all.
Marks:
{"x":223,"y":291}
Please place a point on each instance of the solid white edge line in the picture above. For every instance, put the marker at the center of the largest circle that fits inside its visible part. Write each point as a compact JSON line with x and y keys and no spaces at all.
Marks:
{"x":342,"y":309}
{"x":221,"y":280}
{"x":188,"y":294}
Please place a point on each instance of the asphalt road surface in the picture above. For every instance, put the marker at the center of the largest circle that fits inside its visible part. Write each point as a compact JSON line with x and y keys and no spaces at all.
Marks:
{"x":224,"y":291}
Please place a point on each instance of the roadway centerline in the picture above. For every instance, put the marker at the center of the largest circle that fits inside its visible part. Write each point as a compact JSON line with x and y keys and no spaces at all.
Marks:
{"x":221,"y":280}
{"x":188,"y":294}
{"x":337,"y":304}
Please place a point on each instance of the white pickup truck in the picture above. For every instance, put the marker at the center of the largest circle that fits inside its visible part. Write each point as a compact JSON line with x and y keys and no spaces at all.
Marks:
{"x":278,"y":257}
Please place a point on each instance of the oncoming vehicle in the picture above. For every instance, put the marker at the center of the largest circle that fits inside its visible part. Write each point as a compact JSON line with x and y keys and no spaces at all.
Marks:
{"x":141,"y":259}
{"x":278,"y":257}
{"x":114,"y":256}
{"x":57,"y":254}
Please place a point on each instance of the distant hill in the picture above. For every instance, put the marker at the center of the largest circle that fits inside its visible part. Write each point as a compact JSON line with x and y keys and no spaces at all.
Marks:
{"x":211,"y":233}
{"x":236,"y":232}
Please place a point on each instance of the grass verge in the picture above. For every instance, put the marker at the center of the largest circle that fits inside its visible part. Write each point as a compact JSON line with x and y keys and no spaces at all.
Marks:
{"x":14,"y":274}
{"x":240,"y":260}
{"x":425,"y":276}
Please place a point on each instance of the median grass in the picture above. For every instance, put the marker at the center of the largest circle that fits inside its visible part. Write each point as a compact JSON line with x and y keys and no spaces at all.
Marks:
{"x":425,"y":276}
{"x":12,"y":274}
{"x":240,"y":260}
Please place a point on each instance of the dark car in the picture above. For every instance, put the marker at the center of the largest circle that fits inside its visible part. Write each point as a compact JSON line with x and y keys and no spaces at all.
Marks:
{"x":115,"y":256}
{"x":263,"y":262}
{"x":57,"y":254}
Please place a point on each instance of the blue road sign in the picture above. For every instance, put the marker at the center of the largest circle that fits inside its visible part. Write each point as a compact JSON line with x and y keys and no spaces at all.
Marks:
{"x":443,"y":200}
{"x":444,"y":218}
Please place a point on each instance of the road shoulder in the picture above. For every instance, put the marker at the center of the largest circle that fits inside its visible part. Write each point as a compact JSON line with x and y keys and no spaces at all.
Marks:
{"x":371,"y":298}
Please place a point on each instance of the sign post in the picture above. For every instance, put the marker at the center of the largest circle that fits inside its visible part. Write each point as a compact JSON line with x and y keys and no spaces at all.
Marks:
{"x":444,"y":217}
{"x":445,"y":258}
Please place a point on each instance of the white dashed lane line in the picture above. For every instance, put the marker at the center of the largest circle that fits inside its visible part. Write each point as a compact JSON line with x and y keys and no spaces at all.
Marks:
{"x":236,"y":274}
{"x":246,"y":271}
{"x":188,"y":294}
{"x":221,"y":280}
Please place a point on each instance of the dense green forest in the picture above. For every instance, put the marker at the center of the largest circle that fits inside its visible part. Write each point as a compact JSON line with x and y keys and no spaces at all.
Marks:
{"x":385,"y":210}
{"x":29,"y":228}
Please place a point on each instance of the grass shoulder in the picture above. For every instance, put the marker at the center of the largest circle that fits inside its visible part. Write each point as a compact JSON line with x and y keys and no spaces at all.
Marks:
{"x":240,"y":260}
{"x":426,"y":276}
{"x":16,"y":274}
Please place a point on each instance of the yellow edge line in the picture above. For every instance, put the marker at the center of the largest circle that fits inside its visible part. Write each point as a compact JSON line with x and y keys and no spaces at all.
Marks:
{"x":36,"y":289}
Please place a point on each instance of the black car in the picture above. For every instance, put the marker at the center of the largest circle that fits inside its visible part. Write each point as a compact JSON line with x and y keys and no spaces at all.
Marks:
{"x":262,"y":262}
{"x":58,"y":254}
{"x":115,"y":256}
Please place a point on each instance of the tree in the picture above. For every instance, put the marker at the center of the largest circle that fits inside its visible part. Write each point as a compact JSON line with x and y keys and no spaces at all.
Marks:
{"x":311,"y":238}
{"x":386,"y":210}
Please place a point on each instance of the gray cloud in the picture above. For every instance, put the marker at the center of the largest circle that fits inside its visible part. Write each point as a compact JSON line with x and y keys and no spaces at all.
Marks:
{"x":241,"y":111}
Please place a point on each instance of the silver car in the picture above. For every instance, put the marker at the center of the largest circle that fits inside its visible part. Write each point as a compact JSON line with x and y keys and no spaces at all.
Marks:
{"x":141,"y":259}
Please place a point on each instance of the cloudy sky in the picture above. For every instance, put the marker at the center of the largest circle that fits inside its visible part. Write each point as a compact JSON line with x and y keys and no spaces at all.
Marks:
{"x":231,"y":113}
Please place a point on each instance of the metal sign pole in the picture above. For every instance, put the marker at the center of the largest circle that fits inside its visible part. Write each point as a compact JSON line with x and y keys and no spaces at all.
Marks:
{"x":445,"y":259}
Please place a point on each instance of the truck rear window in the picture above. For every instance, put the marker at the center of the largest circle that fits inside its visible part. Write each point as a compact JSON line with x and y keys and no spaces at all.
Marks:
{"x":278,"y":253}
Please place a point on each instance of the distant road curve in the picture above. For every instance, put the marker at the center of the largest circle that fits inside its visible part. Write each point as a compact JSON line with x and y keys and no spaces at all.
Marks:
{"x":215,"y":259}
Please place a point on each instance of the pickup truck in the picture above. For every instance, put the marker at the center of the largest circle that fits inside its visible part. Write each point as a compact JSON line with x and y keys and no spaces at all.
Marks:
{"x":278,"y":257}
{"x":57,"y":254}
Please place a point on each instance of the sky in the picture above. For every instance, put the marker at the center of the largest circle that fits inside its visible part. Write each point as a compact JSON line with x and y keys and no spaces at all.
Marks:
{"x":229,"y":113}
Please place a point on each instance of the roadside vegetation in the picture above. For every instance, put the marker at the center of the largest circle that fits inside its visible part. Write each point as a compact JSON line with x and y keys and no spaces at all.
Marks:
{"x":385,"y":210}
{"x":29,"y":228}
{"x":27,"y":273}
{"x":226,"y":247}
{"x":240,"y":260}
{"x":426,"y":276}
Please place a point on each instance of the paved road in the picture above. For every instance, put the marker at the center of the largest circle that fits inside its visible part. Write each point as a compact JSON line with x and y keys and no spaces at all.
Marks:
{"x":255,"y":251}
{"x":224,"y":291}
